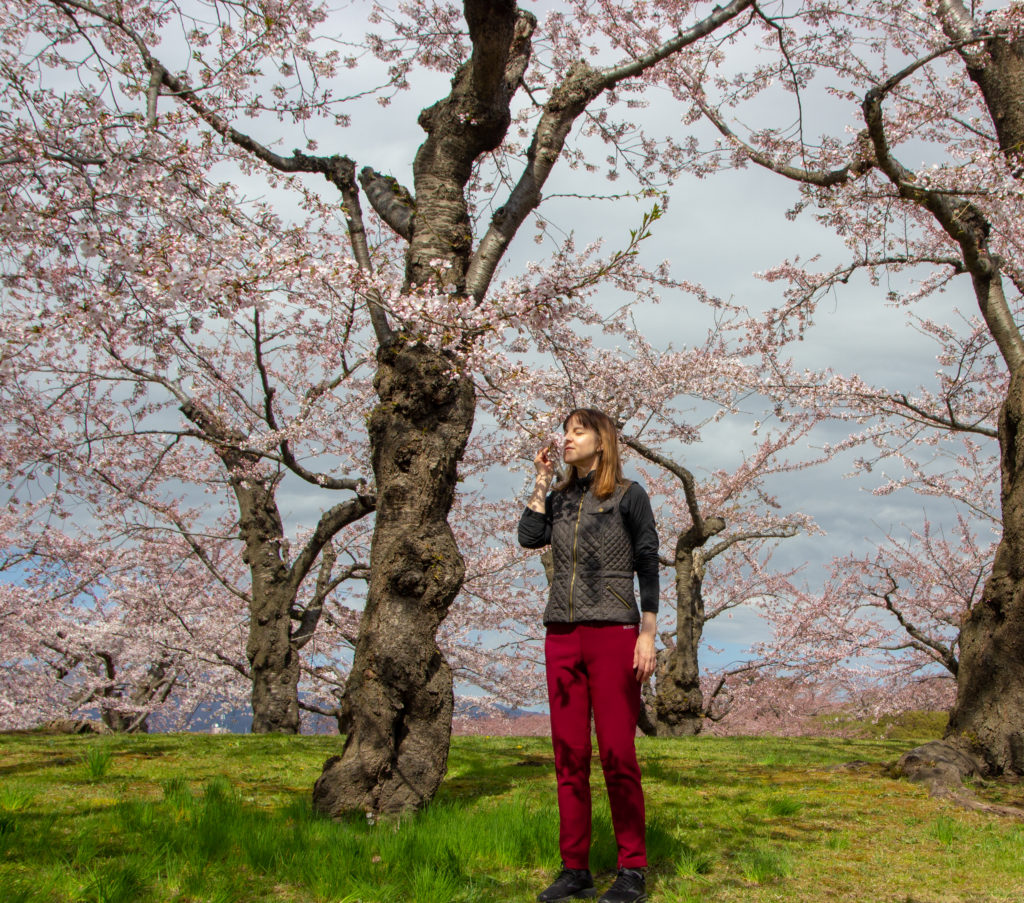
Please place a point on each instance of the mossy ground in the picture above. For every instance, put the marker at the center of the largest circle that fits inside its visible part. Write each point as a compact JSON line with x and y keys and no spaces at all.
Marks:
{"x":228,"y":818}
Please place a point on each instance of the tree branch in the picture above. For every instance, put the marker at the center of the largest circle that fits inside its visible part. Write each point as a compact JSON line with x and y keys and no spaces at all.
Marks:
{"x":207,"y":562}
{"x":331,"y":168}
{"x":361,"y":250}
{"x":719,"y":16}
{"x":862,"y":160}
{"x":311,"y":615}
{"x":945,"y":654}
{"x":783,"y":532}
{"x":581,"y":85}
{"x":156,"y":78}
{"x":960,"y":219}
{"x":392,"y":201}
{"x":685,"y":477}
{"x":951,"y":422}
{"x":333,"y":520}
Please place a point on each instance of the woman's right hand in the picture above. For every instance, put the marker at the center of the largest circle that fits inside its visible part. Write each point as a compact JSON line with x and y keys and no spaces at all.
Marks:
{"x":545,"y":465}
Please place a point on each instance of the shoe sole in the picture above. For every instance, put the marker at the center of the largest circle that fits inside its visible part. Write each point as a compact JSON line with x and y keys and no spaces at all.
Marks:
{"x":588,"y":894}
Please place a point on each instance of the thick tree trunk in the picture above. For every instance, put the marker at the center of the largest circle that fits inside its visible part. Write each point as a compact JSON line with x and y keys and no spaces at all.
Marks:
{"x":399,"y":697}
{"x":999,"y":73}
{"x":988,"y":718}
{"x":679,"y":704}
{"x":986,"y":725}
{"x":987,"y":721}
{"x":274,"y":664}
{"x":273,"y":661}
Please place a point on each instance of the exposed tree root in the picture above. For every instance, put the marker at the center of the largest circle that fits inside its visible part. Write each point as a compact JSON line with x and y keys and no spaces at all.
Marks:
{"x":74,"y":726}
{"x":943,"y":767}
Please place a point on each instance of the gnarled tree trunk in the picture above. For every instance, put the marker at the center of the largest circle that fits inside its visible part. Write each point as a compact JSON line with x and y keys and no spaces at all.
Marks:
{"x":679,"y":704}
{"x":988,"y":717}
{"x":376,"y":771}
{"x":987,"y":720}
{"x":278,"y":629}
{"x":399,"y":698}
{"x":678,"y":709}
{"x":273,"y":662}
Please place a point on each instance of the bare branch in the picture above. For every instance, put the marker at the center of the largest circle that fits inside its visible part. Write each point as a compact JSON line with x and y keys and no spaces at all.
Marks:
{"x":957,"y":22}
{"x":333,"y":520}
{"x":392,"y":201}
{"x":315,"y":709}
{"x":783,"y":532}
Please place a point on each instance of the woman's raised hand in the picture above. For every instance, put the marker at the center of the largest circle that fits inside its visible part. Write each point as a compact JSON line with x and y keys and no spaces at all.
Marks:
{"x":545,"y":464}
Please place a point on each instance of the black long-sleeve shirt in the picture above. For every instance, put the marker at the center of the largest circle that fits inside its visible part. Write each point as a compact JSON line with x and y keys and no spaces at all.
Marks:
{"x":638,"y":517}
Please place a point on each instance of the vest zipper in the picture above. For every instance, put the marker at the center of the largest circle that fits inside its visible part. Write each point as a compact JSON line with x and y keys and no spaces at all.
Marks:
{"x":575,"y":535}
{"x":617,"y":596}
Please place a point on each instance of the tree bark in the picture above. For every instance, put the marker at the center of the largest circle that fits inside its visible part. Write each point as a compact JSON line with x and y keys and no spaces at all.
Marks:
{"x":274,"y":663}
{"x":679,"y":704}
{"x":988,"y":717}
{"x":996,"y":66}
{"x":987,"y":720}
{"x":399,"y":699}
{"x":272,"y":647}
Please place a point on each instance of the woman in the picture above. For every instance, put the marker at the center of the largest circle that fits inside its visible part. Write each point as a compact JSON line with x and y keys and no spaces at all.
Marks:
{"x":599,"y":649}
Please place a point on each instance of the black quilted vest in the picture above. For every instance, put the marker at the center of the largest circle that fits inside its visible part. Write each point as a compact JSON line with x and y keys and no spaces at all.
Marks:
{"x":593,"y":559}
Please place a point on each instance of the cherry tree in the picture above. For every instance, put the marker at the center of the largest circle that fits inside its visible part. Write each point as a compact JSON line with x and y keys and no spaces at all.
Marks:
{"x":940,"y":80}
{"x":226,"y":83}
{"x":884,"y":630}
{"x":128,"y":631}
{"x":885,"y":626}
{"x":725,"y":523}
{"x":149,"y":349}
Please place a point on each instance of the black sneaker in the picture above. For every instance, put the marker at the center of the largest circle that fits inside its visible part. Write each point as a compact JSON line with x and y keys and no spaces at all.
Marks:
{"x":571,"y":884}
{"x":629,"y":887}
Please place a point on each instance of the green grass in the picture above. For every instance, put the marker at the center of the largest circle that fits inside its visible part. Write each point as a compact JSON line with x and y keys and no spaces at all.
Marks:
{"x":97,"y":759}
{"x":228,"y":819}
{"x":904,"y":726}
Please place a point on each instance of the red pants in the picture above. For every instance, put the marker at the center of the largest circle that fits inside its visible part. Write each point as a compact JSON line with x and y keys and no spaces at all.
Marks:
{"x":590,"y":668}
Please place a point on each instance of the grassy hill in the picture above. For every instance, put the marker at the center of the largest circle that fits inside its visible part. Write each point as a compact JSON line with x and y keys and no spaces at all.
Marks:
{"x":227,"y":818}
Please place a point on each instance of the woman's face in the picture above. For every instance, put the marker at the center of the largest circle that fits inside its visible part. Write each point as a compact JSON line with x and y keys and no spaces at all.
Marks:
{"x":581,"y":446}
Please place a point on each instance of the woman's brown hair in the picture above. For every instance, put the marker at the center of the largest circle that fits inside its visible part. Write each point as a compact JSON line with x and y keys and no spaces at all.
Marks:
{"x":608,"y":473}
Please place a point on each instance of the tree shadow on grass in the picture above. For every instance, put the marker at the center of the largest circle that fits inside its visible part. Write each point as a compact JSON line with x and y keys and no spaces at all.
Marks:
{"x":492,"y":772}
